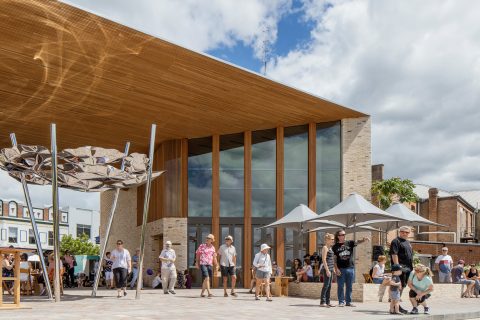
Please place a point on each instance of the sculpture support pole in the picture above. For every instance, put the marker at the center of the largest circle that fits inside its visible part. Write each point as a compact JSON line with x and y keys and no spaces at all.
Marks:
{"x":38,"y":243}
{"x":109,"y":225}
{"x":145,"y":210}
{"x":56,"y":215}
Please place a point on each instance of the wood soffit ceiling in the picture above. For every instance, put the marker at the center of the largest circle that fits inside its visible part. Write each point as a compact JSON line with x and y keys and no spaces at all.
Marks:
{"x":103,"y":84}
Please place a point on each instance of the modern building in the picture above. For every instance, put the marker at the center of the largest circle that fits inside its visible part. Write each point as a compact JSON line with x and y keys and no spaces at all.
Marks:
{"x":240,"y":150}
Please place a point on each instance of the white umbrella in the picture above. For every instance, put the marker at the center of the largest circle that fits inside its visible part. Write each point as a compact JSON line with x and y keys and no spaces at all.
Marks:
{"x":299,"y":218}
{"x":400,"y":211}
{"x":34,"y":258}
{"x":347,"y":230}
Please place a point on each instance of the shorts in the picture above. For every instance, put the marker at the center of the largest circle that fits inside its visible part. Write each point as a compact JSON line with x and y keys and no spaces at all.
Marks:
{"x":394,"y":295}
{"x":413,"y":294}
{"x":465,"y":281}
{"x":377,"y":280}
{"x":227,"y":271}
{"x":262,"y":274}
{"x":405,"y":275}
{"x":207,"y":271}
{"x":108,"y":275}
{"x":120,"y":277}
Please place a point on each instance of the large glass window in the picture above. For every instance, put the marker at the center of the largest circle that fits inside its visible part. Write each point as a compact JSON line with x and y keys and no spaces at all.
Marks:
{"x":328,"y":165}
{"x":264,"y":173}
{"x":296,"y":167}
{"x":231,"y":175}
{"x":200,"y":177}
{"x":260,"y":236}
{"x":12,"y":235}
{"x":196,"y":236}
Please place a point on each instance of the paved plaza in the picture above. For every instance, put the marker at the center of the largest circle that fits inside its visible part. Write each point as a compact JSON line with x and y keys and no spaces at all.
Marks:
{"x":187,"y":304}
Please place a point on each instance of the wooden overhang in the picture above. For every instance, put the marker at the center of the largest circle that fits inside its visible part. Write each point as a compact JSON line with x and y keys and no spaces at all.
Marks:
{"x":103,"y":84}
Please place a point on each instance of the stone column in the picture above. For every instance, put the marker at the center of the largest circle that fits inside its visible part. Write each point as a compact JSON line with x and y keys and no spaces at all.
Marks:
{"x":357,"y":177}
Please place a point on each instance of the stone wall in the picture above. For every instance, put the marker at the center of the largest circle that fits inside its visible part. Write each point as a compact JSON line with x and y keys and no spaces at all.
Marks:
{"x":357,"y":177}
{"x":125,"y":227}
{"x":366,"y":292}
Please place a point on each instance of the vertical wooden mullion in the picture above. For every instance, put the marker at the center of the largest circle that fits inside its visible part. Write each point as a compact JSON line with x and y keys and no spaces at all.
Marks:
{"x":184,"y":178}
{"x":312,"y":180}
{"x":247,"y":217}
{"x":280,"y":197}
{"x":216,"y":193}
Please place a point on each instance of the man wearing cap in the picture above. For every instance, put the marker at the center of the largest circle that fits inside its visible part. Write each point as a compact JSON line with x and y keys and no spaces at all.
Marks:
{"x":263,"y":265}
{"x":458,"y":276}
{"x":401,"y":253}
{"x":228,"y":260}
{"x":206,"y":258}
{"x":444,"y":265}
{"x":169,"y":272}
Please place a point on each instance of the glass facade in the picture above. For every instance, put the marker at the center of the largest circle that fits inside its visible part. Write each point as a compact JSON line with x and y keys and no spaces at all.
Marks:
{"x":328,"y":166}
{"x":200,"y":177}
{"x":264,"y":173}
{"x":295,"y":167}
{"x":231,"y":175}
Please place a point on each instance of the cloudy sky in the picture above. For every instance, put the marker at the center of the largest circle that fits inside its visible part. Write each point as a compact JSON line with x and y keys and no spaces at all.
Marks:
{"x":414,"y":66}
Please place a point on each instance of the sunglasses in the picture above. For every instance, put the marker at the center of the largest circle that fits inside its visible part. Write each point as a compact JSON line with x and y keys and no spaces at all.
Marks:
{"x":119,"y":244}
{"x":341,"y":235}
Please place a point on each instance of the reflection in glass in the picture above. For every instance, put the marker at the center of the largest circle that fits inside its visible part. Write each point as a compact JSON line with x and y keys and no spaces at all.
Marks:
{"x":328,"y":165}
{"x":196,"y":236}
{"x":264,"y":173}
{"x":200,"y":177}
{"x":231,"y":175}
{"x":296,"y":167}
{"x":293,"y":246}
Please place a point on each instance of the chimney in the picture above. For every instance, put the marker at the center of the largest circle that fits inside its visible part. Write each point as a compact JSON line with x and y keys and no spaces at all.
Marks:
{"x":377,"y":172}
{"x":433,"y":211}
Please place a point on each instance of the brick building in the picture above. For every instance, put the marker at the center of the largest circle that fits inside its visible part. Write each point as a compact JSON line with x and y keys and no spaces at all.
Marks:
{"x":449,"y":209}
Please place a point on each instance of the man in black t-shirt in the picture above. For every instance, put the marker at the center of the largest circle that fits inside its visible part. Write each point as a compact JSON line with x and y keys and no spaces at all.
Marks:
{"x":401,"y":253}
{"x":344,"y":267}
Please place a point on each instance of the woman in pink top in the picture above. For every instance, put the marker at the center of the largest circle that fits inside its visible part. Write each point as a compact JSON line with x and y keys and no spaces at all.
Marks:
{"x":206,"y":258}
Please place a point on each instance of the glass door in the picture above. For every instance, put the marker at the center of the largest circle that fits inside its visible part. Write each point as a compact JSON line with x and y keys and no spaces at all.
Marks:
{"x":196,"y":236}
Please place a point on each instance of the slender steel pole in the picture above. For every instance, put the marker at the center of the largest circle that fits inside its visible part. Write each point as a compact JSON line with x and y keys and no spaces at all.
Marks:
{"x":109,"y":225}
{"x":56,"y":215}
{"x":28,"y":200}
{"x":145,"y":210}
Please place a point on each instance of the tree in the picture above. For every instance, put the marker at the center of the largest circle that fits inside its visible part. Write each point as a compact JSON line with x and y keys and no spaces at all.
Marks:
{"x":394,"y":188}
{"x":78,"y":246}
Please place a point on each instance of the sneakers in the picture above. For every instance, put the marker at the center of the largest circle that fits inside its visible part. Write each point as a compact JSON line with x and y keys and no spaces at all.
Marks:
{"x":341,"y":305}
{"x":414,"y":311}
{"x":225,"y":294}
{"x":172,"y":291}
{"x":350,"y":305}
{"x":165,"y":292}
{"x":233,"y":294}
{"x":426,"y":310}
{"x":402,"y":310}
{"x":257,"y":298}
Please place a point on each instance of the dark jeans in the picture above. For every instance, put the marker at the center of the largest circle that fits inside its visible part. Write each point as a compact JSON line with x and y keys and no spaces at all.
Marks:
{"x":71,"y":277}
{"x":327,"y":285}
{"x":120,"y":276}
{"x":345,"y":280}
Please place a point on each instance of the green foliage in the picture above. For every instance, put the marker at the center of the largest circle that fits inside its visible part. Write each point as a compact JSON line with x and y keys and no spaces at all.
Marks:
{"x":79,"y":246}
{"x":386,"y":190}
{"x":386,"y":252}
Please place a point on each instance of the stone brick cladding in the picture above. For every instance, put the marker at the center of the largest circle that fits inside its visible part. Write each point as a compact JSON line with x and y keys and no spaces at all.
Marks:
{"x":125,"y":227}
{"x":357,"y":177}
{"x":470,"y":252}
{"x":366,"y":292}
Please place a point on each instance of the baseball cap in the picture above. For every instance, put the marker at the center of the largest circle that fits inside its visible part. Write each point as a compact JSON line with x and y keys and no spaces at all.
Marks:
{"x":396,"y":267}
{"x":229,"y":238}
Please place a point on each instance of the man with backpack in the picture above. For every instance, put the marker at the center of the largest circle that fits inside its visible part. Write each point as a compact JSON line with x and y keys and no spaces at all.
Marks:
{"x":444,"y":265}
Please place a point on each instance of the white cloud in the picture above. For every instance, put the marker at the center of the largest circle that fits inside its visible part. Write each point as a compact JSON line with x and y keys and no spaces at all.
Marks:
{"x":414,"y":66}
{"x":195,"y":24}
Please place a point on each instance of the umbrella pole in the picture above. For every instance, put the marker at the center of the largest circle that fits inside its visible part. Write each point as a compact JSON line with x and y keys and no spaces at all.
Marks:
{"x":38,"y":243}
{"x":109,"y":225}
{"x":145,"y":211}
{"x":354,"y":240}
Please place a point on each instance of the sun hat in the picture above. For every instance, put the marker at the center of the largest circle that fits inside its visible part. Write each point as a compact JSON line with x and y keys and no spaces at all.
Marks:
{"x":211,"y":236}
{"x":264,"y":246}
{"x":168,"y":243}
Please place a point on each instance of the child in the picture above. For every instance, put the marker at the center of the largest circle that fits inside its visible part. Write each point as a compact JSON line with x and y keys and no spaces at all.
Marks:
{"x":107,"y":267}
{"x":395,"y":289}
{"x":188,"y":279}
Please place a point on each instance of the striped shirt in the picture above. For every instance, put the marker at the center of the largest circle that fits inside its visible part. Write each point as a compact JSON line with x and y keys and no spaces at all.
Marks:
{"x":329,"y":259}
